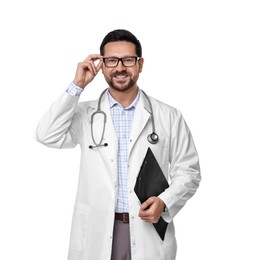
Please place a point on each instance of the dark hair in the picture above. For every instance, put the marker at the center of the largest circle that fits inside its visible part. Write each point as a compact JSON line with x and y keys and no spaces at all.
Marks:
{"x":121,"y":35}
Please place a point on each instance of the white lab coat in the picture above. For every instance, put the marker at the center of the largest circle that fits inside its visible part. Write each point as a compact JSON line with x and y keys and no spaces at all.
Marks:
{"x":67,"y":123}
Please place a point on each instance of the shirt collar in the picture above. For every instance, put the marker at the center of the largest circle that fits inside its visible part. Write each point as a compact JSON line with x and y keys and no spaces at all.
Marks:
{"x":114,"y":102}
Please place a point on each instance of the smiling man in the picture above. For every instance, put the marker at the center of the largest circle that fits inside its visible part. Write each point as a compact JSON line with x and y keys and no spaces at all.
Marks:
{"x":114,"y":133}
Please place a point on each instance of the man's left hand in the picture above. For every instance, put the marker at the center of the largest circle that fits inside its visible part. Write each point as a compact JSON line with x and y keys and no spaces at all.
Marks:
{"x":151,"y":209}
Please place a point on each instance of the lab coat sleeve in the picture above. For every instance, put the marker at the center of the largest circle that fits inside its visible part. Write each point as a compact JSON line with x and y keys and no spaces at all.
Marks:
{"x":59,"y":127}
{"x":184,"y":169}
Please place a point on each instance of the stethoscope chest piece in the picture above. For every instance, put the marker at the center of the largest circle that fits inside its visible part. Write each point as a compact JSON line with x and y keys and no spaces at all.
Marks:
{"x":153,"y":138}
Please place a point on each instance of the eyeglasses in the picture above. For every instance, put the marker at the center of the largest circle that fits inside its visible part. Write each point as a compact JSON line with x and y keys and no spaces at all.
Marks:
{"x":112,"y":62}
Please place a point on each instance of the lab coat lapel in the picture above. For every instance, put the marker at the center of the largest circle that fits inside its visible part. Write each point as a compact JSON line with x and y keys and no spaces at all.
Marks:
{"x":141,"y":116}
{"x":110,"y":133}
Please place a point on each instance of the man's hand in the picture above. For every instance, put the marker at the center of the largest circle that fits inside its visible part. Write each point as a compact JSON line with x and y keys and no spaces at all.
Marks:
{"x":151,"y":209}
{"x":87,"y":70}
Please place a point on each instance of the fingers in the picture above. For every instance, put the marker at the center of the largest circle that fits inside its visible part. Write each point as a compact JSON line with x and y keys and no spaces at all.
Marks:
{"x":99,"y":65}
{"x":87,"y":70}
{"x":146,"y":212}
{"x":147,"y":203}
{"x":151,"y":210}
{"x":89,"y":63}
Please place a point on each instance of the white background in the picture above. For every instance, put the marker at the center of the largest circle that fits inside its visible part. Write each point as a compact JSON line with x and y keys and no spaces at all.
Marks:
{"x":199,"y":57}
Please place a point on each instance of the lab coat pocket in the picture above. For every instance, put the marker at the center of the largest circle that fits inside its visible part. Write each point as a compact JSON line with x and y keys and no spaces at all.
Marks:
{"x":79,"y":227}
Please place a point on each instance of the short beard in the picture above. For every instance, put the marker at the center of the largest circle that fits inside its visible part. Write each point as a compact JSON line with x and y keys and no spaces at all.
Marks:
{"x":123,"y":89}
{"x":130,"y":85}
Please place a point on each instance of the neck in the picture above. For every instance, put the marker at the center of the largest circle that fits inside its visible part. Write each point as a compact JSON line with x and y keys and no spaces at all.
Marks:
{"x":125,"y":98}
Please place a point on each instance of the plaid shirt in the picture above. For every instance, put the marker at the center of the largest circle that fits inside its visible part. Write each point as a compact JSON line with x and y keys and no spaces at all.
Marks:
{"x":122,"y":120}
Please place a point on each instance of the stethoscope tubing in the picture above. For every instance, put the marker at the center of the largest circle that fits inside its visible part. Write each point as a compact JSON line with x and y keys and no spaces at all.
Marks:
{"x":98,"y":111}
{"x":152,"y":138}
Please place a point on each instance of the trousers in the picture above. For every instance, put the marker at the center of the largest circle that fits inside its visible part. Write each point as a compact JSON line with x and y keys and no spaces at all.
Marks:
{"x":121,"y":241}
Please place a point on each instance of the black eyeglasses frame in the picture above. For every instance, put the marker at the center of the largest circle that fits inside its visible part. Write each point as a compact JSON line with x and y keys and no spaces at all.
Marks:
{"x":120,"y":59}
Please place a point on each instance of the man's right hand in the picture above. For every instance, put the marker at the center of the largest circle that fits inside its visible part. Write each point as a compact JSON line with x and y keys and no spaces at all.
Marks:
{"x":87,"y":70}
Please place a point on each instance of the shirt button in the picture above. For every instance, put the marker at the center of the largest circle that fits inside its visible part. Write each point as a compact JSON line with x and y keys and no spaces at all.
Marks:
{"x":130,"y":191}
{"x":112,"y":160}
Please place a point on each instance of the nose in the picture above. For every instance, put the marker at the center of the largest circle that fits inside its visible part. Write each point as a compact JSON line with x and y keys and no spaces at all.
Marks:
{"x":120,"y":66}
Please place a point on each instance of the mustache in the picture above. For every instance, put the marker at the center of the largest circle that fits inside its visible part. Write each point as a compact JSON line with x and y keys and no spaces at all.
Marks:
{"x":123,"y":73}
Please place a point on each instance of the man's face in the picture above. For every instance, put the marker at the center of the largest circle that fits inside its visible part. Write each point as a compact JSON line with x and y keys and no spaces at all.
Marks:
{"x":121,"y":78}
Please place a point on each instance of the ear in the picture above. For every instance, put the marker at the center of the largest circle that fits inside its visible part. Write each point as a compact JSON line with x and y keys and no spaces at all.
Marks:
{"x":140,"y":64}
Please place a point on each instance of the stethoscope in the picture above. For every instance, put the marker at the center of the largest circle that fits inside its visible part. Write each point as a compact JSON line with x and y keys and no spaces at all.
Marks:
{"x":152,"y":138}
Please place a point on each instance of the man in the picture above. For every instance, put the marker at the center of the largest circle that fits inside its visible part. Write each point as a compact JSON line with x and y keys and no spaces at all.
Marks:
{"x":108,"y":220}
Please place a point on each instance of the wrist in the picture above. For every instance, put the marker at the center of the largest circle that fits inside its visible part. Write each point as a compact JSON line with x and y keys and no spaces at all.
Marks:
{"x":78,"y":83}
{"x":74,"y":90}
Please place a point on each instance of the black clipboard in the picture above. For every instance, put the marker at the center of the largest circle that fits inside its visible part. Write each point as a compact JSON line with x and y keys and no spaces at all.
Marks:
{"x":151,"y":182}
